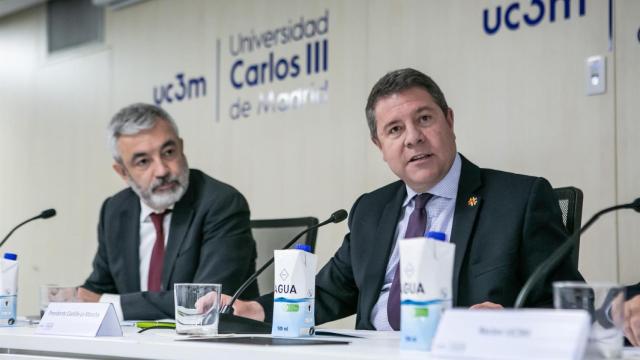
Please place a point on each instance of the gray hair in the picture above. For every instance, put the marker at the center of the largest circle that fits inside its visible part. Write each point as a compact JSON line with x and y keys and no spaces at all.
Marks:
{"x":133,"y":119}
{"x":397,"y":81}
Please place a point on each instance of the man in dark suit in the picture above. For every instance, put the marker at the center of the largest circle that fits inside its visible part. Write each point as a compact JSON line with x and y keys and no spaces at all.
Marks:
{"x":632,"y":315}
{"x":172,"y":225}
{"x":503,"y":225}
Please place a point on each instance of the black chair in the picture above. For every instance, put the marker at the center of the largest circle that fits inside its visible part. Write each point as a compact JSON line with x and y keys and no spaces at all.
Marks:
{"x":570,"y":201}
{"x":273,"y":234}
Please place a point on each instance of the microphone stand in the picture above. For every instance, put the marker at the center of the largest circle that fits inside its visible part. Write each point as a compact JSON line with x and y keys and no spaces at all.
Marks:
{"x":230,"y":323}
{"x":44,"y":215}
{"x":561,"y":252}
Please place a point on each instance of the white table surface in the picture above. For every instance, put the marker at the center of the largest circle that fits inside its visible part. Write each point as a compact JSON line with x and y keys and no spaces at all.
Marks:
{"x":162,"y":344}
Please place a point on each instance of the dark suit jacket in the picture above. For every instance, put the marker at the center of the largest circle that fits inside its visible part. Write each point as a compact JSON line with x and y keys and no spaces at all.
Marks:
{"x":632,"y":290}
{"x":209,"y":242}
{"x":514,"y":226}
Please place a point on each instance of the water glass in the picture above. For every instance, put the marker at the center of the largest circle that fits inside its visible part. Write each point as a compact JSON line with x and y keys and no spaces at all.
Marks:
{"x":55,"y":293}
{"x":605,"y":304}
{"x":197,"y":307}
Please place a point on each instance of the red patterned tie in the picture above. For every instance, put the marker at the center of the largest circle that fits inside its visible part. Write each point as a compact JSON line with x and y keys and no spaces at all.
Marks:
{"x":157,"y":255}
{"x":416,"y":228}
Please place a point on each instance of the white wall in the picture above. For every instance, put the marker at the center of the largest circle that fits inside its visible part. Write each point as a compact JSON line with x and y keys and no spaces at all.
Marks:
{"x":627,"y":116}
{"x":518,"y":97}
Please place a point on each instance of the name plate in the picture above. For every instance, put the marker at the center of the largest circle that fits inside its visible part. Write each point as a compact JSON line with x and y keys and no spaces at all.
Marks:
{"x":80,"y":319}
{"x":512,"y":334}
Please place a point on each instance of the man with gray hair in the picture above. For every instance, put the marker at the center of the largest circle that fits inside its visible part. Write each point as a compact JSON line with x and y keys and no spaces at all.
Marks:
{"x":172,"y":225}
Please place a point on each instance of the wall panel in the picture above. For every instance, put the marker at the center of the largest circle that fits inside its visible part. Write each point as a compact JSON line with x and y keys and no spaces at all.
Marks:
{"x":518,"y":97}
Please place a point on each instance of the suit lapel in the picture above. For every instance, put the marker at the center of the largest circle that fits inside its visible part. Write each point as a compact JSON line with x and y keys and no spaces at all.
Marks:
{"x":383,"y":239}
{"x":129,"y":239}
{"x":180,"y":222}
{"x":468,"y":204}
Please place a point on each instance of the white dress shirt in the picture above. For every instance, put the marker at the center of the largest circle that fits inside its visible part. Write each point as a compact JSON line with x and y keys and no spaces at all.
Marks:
{"x":440,"y":211}
{"x":147,"y":240}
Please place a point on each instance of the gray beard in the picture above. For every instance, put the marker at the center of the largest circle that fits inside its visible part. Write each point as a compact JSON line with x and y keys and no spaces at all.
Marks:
{"x":167,"y":199}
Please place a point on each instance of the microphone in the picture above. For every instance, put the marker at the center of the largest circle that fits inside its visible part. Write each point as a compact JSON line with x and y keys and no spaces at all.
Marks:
{"x":561,"y":252}
{"x":230,"y":323}
{"x":43,"y":215}
{"x":47,"y":213}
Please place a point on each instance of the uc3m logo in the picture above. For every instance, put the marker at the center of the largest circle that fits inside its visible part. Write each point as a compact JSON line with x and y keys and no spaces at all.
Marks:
{"x":532,"y":16}
{"x":187,"y":89}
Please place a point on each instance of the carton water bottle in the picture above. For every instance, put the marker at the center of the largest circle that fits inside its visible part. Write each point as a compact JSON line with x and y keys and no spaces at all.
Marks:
{"x":426,"y":273}
{"x":294,"y":293}
{"x":8,"y":289}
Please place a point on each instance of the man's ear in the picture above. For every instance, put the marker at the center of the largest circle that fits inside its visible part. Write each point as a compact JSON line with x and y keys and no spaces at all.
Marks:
{"x":120,"y":170}
{"x":450,"y":117}
{"x":376,"y":142}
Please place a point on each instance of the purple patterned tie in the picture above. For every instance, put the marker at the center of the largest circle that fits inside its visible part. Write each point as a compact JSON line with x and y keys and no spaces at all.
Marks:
{"x":416,"y":228}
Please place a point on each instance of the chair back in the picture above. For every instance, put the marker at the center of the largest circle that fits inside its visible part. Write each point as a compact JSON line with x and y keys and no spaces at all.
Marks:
{"x":273,"y":234}
{"x":570,"y":201}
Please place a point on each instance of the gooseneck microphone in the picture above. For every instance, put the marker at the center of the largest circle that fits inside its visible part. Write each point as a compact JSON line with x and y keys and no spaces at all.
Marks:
{"x":230,"y":323}
{"x":43,"y":215}
{"x":562,"y":251}
{"x":336,"y":217}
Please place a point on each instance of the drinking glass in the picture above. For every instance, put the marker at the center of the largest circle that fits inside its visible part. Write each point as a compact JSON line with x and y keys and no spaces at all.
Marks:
{"x":605,"y":304}
{"x":197,"y":308}
{"x":55,"y":293}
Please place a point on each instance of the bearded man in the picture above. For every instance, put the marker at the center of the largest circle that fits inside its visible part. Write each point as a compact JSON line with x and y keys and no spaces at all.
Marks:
{"x":171,"y":225}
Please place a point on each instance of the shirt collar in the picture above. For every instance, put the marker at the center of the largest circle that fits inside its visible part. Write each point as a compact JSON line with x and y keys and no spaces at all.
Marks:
{"x":145,"y":211}
{"x":446,"y":188}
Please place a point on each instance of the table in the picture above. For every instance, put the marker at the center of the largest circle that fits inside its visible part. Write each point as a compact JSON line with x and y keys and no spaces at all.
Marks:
{"x":21,"y":342}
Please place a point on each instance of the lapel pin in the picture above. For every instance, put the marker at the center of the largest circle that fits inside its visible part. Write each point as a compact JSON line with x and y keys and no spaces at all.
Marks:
{"x":473,"y":201}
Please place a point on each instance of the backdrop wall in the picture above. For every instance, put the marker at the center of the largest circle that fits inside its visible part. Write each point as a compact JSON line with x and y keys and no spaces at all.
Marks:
{"x":297,"y":144}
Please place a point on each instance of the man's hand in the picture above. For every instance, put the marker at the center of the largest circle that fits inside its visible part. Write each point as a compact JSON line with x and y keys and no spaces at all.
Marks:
{"x":487,"y":305}
{"x":632,"y":320}
{"x":85,"y":295}
{"x":249,"y":309}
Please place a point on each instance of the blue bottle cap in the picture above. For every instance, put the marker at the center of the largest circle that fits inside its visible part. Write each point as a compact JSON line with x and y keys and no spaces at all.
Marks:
{"x":10,"y":256}
{"x":303,"y":247}
{"x":436,"y":235}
